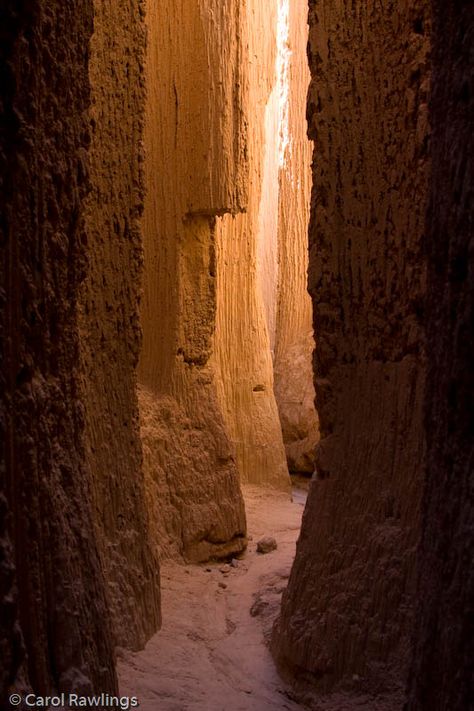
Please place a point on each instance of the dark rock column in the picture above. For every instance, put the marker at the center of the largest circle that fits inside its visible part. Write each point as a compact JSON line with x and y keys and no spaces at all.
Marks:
{"x":43,"y":148}
{"x":347,"y":615}
{"x":442,"y":672}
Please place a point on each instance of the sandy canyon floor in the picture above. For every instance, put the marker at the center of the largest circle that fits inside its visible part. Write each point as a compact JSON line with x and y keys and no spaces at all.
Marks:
{"x":211,"y":653}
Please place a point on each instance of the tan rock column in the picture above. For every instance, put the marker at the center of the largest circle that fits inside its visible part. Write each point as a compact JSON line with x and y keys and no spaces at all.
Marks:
{"x":196,"y":170}
{"x":294,"y":342}
{"x":246,"y":277}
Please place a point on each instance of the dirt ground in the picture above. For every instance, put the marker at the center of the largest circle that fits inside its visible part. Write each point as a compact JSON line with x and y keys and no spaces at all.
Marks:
{"x":210,"y":654}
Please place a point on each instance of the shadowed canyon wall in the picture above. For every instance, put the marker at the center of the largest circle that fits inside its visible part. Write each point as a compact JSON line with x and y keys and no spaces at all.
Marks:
{"x":61,"y":601}
{"x":72,"y":199}
{"x":11,"y":644}
{"x":355,"y":562}
{"x":442,"y":672}
{"x":110,"y":332}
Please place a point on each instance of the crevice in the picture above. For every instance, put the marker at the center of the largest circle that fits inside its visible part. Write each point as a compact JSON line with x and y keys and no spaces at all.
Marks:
{"x":184,"y":279}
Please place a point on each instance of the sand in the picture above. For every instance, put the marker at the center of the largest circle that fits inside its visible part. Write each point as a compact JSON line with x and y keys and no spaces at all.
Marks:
{"x":211,"y":652}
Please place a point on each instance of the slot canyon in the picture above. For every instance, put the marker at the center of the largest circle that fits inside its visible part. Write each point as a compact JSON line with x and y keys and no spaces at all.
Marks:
{"x":236,"y":308}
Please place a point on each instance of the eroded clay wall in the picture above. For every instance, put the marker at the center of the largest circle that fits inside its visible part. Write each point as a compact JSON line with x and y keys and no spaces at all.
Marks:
{"x":294,"y":342}
{"x":442,"y":675}
{"x":61,"y":600}
{"x":196,"y":170}
{"x":347,"y":613}
{"x":246,"y":250}
{"x":110,"y":332}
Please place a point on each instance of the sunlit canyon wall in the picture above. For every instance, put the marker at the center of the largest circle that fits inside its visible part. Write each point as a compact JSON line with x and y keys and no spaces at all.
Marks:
{"x":347,"y":615}
{"x":211,"y":313}
{"x":246,"y":264}
{"x":196,"y":170}
{"x":264,"y":331}
{"x":293,"y":341}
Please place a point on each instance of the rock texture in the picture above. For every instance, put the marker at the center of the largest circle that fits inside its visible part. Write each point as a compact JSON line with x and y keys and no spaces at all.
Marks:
{"x":61,"y":602}
{"x":442,"y":672}
{"x":211,"y":312}
{"x":195,"y":171}
{"x":347,"y":614}
{"x":110,"y":332}
{"x":246,"y":254}
{"x":209,"y":417}
{"x":266,"y":545}
{"x":294,"y":343}
{"x":85,"y":507}
{"x":11,"y":646}
{"x":192,"y":486}
{"x":72,"y":196}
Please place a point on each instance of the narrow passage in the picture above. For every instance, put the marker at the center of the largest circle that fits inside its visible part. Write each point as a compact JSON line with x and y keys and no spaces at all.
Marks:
{"x":211,"y":651}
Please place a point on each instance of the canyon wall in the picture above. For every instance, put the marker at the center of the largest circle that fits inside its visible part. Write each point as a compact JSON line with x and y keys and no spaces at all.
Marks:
{"x":246,"y":263}
{"x":110,"y":332}
{"x":294,"y":343}
{"x":61,"y":601}
{"x":442,"y":673}
{"x":11,"y":643}
{"x":196,"y":170}
{"x":264,"y":330}
{"x":347,"y":613}
{"x":209,"y":418}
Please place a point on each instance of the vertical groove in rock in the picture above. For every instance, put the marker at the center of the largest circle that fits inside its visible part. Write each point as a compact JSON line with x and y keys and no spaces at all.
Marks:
{"x":62,"y":605}
{"x":442,"y":672}
{"x":246,"y":272}
{"x":110,"y":332}
{"x":196,"y":142}
{"x":348,"y":607}
{"x":294,"y":342}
